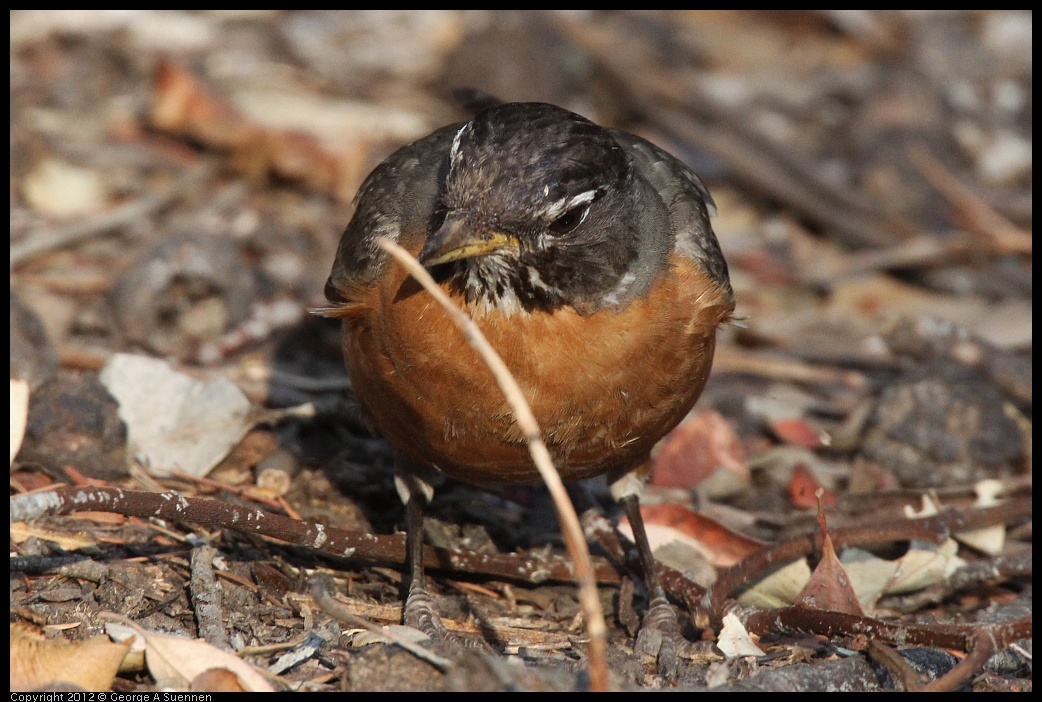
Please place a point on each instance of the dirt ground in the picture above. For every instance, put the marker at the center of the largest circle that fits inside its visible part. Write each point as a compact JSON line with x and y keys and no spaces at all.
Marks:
{"x":179,"y":183}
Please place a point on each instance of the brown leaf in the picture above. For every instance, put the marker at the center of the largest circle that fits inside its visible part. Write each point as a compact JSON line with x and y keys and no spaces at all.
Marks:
{"x":800,"y":432}
{"x":181,"y":106}
{"x":296,"y":136}
{"x":217,"y":680}
{"x":829,"y":587}
{"x":691,"y":452}
{"x":803,"y":487}
{"x":991,"y":539}
{"x":668,"y":522}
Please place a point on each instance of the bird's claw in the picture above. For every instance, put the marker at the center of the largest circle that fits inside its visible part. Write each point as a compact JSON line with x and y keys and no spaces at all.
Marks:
{"x":659,"y":637}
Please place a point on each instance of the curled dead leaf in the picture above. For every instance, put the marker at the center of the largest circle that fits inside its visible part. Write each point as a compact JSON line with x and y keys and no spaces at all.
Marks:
{"x":90,"y":664}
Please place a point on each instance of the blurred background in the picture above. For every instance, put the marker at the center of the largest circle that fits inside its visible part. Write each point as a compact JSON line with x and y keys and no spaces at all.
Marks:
{"x":821,"y":134}
{"x":180,"y":180}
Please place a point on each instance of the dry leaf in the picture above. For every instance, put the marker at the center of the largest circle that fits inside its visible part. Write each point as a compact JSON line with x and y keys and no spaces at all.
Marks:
{"x":61,"y":189}
{"x":692,"y":451}
{"x":924,"y":565}
{"x":19,"y":414}
{"x":20,"y":531}
{"x":217,"y":680}
{"x":685,"y":558}
{"x":294,"y":135}
{"x":366,"y":637}
{"x":331,"y":121}
{"x":734,"y":641}
{"x":90,"y":664}
{"x":929,"y":509}
{"x":829,"y":587}
{"x":174,"y":421}
{"x":803,"y":486}
{"x":780,"y":588}
{"x":668,"y":522}
{"x":1006,"y":323}
{"x":798,"y":431}
{"x":177,"y":662}
{"x":869,"y":575}
{"x":181,"y":105}
{"x":991,"y":539}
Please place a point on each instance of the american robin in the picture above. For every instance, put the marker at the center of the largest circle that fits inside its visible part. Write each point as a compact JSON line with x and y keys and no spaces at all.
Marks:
{"x":585,"y":256}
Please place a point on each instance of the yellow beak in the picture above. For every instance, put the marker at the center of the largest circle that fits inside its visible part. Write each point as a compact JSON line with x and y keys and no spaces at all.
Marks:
{"x":458,"y":239}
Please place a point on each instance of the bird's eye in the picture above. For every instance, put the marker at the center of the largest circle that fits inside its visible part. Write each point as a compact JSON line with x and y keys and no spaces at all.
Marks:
{"x":570,"y":219}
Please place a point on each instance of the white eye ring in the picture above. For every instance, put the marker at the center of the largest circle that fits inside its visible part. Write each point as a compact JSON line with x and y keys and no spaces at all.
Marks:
{"x":565,"y":204}
{"x":569,"y":220}
{"x":567,"y":214}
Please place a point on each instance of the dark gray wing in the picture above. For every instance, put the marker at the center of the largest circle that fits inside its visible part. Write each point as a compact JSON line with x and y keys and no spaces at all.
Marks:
{"x":685,"y":197}
{"x":396,"y":199}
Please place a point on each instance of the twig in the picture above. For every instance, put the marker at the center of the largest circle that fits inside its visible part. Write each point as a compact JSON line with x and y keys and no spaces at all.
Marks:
{"x":214,"y":514}
{"x":933,"y":529}
{"x":918,"y":251}
{"x":570,"y":527}
{"x":998,"y":569}
{"x":733,"y":359}
{"x":963,"y":637}
{"x":321,"y":587}
{"x":900,"y":669}
{"x":264,"y":372}
{"x":982,"y":647}
{"x":206,"y":598}
{"x":978,"y":216}
{"x":119,"y":217}
{"x":695,"y":117}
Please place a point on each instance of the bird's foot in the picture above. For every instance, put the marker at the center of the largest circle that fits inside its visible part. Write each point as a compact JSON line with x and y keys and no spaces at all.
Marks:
{"x":660,"y":638}
{"x":420,"y":613}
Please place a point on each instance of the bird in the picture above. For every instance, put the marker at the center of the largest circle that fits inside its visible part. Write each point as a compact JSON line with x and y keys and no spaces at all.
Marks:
{"x":586,"y":257}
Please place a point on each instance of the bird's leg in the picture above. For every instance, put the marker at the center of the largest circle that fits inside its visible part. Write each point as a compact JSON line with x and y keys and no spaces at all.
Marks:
{"x":660,"y":629}
{"x":420,"y":612}
{"x":659,"y":633}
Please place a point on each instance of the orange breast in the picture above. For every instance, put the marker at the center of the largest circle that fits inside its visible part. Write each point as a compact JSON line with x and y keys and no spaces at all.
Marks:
{"x":604,"y":387}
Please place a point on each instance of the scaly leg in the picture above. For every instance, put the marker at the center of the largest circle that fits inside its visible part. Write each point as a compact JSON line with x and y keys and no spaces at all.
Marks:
{"x":420,"y":612}
{"x":659,"y":633}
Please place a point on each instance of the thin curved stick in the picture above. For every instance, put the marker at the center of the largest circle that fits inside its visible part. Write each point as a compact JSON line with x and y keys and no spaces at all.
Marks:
{"x":573,"y":534}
